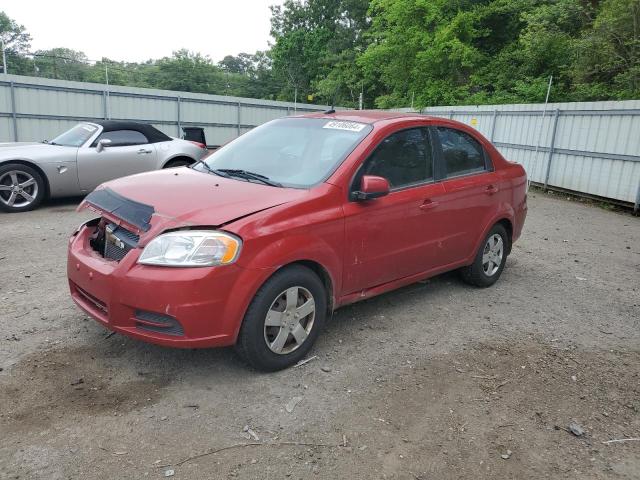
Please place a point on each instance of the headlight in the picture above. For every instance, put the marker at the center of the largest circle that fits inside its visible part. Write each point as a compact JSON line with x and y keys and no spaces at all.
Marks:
{"x":191,"y":248}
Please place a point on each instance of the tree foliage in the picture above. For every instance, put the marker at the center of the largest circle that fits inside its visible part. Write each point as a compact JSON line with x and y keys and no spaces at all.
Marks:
{"x":395,"y":53}
{"x":16,"y":41}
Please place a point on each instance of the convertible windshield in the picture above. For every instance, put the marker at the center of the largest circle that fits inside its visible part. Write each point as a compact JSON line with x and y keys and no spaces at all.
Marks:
{"x":76,"y":136}
{"x":293,"y":152}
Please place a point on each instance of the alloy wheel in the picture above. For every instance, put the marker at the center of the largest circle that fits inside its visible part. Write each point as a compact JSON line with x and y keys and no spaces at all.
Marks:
{"x":492,"y":255}
{"x":18,"y":189}
{"x":289,"y":320}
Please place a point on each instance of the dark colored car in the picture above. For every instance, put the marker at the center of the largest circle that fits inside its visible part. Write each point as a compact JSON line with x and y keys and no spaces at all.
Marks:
{"x":257,"y":244}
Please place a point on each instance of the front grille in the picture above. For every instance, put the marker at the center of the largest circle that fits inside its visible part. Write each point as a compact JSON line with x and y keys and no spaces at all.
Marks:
{"x":118,"y":242}
{"x":159,"y":323}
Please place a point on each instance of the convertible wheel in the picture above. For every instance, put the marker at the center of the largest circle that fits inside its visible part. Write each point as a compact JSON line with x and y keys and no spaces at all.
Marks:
{"x":21,"y":188}
{"x":283,"y":320}
{"x":490,"y":259}
{"x":178,"y":163}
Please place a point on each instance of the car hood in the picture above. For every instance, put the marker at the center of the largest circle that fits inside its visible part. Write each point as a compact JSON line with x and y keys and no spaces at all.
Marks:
{"x":19,"y":144}
{"x":179,"y":197}
{"x":34,"y":151}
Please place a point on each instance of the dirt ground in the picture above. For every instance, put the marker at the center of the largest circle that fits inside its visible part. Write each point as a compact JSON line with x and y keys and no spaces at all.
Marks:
{"x":434,"y":381}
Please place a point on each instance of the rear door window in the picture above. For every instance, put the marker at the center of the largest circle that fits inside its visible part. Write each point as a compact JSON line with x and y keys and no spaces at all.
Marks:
{"x":462,"y":154}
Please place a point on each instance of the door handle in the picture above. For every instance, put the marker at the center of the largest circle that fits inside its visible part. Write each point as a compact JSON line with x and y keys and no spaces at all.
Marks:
{"x":143,"y":150}
{"x":428,"y":204}
{"x":491,"y":189}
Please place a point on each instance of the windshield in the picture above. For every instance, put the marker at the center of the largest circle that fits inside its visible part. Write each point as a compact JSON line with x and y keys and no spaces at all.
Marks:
{"x":294,"y":152}
{"x":76,"y":136}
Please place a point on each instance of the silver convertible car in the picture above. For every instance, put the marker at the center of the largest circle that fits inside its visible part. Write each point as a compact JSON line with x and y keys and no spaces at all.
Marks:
{"x":83,"y":157}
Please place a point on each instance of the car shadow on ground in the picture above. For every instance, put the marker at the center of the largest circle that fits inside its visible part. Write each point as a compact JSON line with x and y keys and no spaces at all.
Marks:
{"x":376,"y":315}
{"x":62,"y":205}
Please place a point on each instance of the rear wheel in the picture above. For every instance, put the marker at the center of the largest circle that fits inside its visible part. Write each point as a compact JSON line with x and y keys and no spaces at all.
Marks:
{"x":283,"y":319}
{"x":178,"y":162}
{"x":22,"y":188}
{"x":490,"y":259}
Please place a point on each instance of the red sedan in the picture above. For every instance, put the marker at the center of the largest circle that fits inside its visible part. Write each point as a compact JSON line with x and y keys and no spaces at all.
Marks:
{"x":257,"y":244}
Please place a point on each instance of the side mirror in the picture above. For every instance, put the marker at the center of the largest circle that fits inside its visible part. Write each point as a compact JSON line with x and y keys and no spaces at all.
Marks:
{"x":372,"y":187}
{"x":102,"y":144}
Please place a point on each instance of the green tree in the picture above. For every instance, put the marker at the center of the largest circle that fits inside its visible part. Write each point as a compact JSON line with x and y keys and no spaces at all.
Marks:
{"x":62,"y":63}
{"x":191,"y":72}
{"x":397,"y":52}
{"x":473,"y":51}
{"x":316,"y":44}
{"x":607,"y":61}
{"x":17,"y":43}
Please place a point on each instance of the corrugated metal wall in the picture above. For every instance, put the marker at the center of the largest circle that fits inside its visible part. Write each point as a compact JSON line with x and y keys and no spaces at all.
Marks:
{"x":588,"y":147}
{"x":33,"y":109}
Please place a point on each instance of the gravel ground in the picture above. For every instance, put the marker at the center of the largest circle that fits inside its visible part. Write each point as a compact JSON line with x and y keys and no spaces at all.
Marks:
{"x":434,"y":381}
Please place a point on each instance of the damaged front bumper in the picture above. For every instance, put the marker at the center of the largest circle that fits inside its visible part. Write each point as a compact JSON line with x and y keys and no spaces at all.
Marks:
{"x":171,"y":306}
{"x":177,"y":307}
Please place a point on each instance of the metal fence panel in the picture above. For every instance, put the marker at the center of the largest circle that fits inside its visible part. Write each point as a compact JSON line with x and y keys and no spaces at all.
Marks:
{"x":5,"y":126}
{"x":33,"y":109}
{"x":36,"y":130}
{"x":587,"y":147}
{"x":142,"y":109}
{"x":34,"y":101}
{"x":5,"y":98}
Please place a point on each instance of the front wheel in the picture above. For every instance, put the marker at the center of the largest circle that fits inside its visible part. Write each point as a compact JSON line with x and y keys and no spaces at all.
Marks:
{"x":283,"y":319}
{"x":490,"y":259}
{"x":22,"y":188}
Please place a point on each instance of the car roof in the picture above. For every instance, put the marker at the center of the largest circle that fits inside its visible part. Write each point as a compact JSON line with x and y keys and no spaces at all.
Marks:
{"x":365,"y":116}
{"x":153,"y":134}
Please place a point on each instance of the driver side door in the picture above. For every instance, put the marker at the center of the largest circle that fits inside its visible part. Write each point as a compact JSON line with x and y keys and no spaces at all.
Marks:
{"x":397,"y":235}
{"x":128,"y":153}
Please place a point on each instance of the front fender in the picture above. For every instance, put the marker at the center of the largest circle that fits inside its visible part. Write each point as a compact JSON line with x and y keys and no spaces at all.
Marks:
{"x":258,"y":268}
{"x":302,"y":247}
{"x":59,"y":172}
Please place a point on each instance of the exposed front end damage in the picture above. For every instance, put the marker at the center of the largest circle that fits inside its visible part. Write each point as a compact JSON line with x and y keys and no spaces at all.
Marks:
{"x":117,"y":231}
{"x":107,"y":201}
{"x":179,"y":307}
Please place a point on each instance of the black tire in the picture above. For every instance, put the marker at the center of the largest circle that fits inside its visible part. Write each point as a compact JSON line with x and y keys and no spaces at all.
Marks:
{"x":36,"y":190}
{"x":475,"y":273}
{"x":252,"y":341}
{"x":178,"y":162}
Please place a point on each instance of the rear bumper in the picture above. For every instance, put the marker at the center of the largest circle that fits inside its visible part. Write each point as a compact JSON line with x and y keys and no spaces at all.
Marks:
{"x":177,"y":307}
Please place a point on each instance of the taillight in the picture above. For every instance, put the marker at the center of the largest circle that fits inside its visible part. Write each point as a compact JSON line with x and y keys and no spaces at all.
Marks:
{"x":198,"y":144}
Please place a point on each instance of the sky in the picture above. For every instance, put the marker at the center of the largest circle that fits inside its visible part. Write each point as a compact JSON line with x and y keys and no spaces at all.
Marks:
{"x":137,"y":30}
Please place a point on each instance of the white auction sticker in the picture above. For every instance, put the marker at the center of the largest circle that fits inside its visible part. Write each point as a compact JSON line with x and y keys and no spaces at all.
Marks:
{"x":350,"y":126}
{"x":89,"y":128}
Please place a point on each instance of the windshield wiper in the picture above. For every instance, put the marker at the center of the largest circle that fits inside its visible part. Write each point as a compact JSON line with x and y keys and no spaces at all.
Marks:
{"x":231,"y":172}
{"x":204,"y":164}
